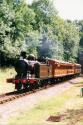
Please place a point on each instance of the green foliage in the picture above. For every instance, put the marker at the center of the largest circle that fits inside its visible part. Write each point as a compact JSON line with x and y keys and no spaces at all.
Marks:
{"x":13,"y":27}
{"x":49,"y":47}
{"x":44,"y":12}
{"x":32,"y":42}
{"x":36,"y":28}
{"x":71,"y":41}
{"x":80,"y":26}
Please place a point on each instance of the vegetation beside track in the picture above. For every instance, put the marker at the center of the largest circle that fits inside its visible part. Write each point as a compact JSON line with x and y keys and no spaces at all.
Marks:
{"x":37,"y":29}
{"x":69,"y":104}
{"x":6,"y":73}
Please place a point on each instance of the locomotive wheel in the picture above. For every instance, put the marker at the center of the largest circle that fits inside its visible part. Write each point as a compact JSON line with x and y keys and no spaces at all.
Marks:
{"x":41,"y":83}
{"x":52,"y":81}
{"x":26,"y":87}
{"x":36,"y":85}
{"x":18,"y":86}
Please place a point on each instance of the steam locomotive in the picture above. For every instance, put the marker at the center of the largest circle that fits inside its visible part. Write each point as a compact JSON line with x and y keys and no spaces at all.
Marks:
{"x":35,"y":74}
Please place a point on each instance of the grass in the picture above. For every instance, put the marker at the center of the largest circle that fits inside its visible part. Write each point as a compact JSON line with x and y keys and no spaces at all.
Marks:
{"x":68,"y":100}
{"x":6,"y":73}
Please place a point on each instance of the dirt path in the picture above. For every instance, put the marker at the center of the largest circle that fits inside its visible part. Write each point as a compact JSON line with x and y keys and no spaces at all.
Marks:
{"x":11,"y":109}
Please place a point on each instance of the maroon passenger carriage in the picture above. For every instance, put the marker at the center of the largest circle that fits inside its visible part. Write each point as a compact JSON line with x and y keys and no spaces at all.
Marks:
{"x":43,"y":73}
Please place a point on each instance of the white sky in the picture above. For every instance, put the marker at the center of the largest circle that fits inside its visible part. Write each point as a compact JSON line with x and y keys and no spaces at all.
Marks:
{"x":68,"y":9}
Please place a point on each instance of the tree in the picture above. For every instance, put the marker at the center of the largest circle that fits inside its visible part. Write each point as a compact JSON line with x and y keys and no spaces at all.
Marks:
{"x":36,"y":28}
{"x":44,"y":10}
{"x":46,"y":16}
{"x":71,"y":41}
{"x":50,"y":47}
{"x":15,"y":21}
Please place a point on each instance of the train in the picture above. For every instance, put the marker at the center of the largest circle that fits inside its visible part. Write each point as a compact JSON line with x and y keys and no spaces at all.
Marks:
{"x":34,"y":74}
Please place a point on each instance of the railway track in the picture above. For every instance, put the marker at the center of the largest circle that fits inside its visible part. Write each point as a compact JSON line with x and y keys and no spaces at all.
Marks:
{"x":7,"y":97}
{"x":4,"y":98}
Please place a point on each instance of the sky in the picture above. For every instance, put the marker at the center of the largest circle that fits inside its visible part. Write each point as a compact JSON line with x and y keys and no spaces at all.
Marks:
{"x":69,"y":9}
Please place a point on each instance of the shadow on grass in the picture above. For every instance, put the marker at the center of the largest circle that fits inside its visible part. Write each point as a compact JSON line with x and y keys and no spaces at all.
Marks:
{"x":72,"y":116}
